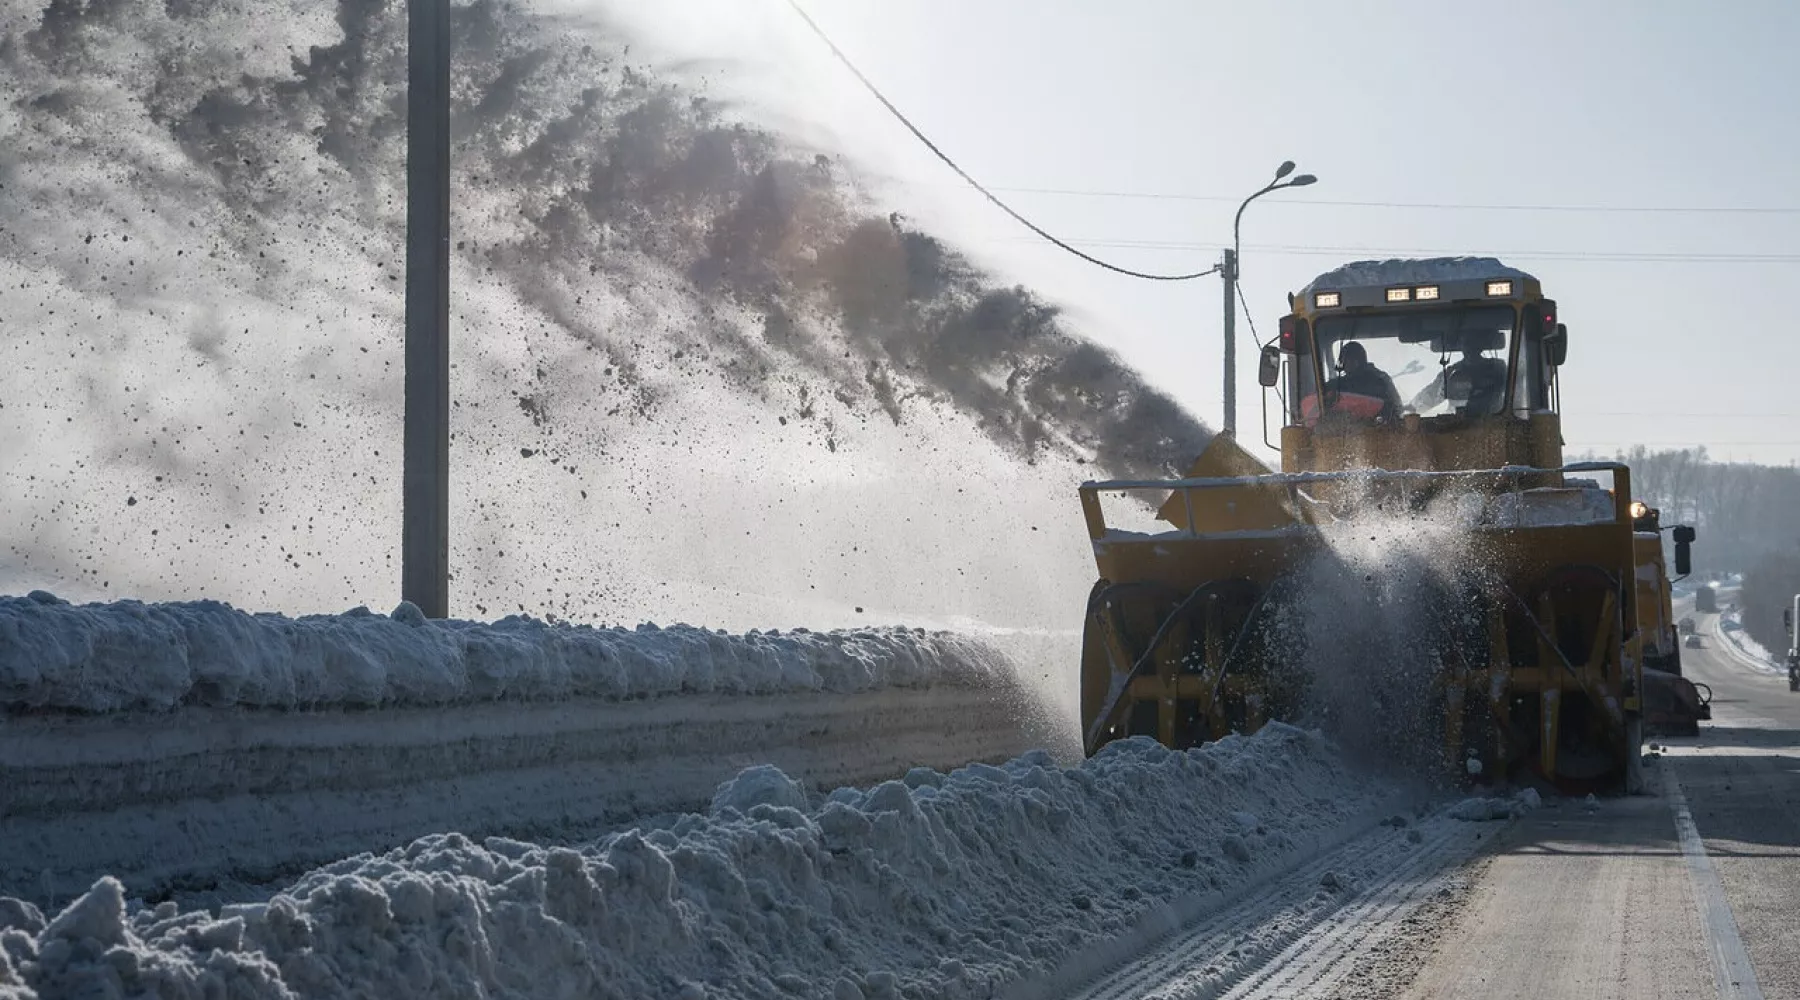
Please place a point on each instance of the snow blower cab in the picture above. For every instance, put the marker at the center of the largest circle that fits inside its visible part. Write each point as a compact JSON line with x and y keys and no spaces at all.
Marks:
{"x":1432,"y":364}
{"x":1424,"y":570}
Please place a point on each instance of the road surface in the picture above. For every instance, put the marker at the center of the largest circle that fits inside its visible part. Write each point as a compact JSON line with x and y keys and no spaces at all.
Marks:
{"x":1690,"y":891}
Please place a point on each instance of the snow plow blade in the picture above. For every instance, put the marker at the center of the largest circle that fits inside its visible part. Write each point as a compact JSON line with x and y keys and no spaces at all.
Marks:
{"x":1674,"y":705}
{"x":1197,"y":631}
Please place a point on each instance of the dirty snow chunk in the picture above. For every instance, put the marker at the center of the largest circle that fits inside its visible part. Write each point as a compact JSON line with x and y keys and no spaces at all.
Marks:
{"x":1005,"y":870}
{"x":130,"y":655}
{"x":763,"y":785}
{"x":1235,"y":848}
{"x":1477,"y":810}
{"x":1246,"y":821}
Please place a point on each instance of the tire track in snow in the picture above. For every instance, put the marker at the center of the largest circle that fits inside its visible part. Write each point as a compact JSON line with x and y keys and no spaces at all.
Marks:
{"x":1304,"y":929}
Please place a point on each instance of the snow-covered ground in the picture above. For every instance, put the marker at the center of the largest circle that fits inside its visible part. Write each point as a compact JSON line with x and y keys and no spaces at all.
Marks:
{"x":208,"y":803}
{"x":1749,"y":652}
{"x":129,"y":655}
{"x":938,"y":885}
{"x":192,"y":747}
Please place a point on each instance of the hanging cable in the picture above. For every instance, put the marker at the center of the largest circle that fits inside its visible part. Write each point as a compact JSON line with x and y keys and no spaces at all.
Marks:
{"x":1441,"y":206}
{"x":1248,"y":318}
{"x":1003,"y":206}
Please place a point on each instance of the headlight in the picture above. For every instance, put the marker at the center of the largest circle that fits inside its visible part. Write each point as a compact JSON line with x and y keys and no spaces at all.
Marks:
{"x":1639,"y":509}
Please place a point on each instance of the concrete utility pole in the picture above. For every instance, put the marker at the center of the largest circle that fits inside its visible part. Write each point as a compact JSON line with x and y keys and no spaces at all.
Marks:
{"x":1228,"y":271}
{"x":425,"y":501}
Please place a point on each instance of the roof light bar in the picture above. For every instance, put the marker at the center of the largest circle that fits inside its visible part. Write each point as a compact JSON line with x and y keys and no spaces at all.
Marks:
{"x":1399,"y":295}
{"x":1425,"y":293}
{"x":1499,"y":288}
{"x":1325,"y":300}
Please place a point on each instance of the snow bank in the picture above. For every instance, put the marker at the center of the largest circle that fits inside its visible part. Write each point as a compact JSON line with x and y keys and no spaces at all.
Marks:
{"x":938,"y":885}
{"x":129,"y":655}
{"x":1730,"y":631}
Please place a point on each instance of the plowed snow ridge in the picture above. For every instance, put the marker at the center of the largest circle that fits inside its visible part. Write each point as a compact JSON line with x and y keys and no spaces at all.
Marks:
{"x":185,"y":748}
{"x":935,"y":886}
{"x":130,"y":655}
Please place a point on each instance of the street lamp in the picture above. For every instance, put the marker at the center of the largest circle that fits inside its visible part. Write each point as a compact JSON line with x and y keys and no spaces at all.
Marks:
{"x":1229,"y":272}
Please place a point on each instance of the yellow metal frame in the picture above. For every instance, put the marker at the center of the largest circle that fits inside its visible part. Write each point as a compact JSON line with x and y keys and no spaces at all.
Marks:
{"x":1266,"y":533}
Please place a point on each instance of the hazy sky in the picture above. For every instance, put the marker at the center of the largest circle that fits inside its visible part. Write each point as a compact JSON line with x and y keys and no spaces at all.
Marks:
{"x":1584,"y":105}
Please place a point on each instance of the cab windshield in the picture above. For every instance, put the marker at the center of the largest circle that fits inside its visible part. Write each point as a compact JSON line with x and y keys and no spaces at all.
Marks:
{"x":1445,"y":361}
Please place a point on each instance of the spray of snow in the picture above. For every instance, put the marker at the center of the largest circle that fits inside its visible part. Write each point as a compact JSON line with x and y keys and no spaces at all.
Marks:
{"x":697,"y":374}
{"x":1375,"y":612}
{"x":940,"y":885}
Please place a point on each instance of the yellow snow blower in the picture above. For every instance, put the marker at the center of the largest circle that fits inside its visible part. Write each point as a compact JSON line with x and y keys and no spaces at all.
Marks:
{"x":1424,"y":565}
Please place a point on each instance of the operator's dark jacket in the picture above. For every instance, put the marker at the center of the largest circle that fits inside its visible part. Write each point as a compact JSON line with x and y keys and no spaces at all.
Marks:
{"x":1370,"y":381}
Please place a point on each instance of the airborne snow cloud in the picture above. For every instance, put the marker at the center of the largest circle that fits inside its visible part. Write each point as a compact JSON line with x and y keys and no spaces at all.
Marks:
{"x":697,"y":373}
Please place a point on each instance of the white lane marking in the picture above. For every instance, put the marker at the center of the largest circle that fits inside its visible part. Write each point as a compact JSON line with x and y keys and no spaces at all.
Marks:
{"x":1731,"y":963}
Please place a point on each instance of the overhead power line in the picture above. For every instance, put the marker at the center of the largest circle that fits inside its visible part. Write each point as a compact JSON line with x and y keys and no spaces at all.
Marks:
{"x":977,"y":185}
{"x":1621,"y":256}
{"x":1451,"y":206}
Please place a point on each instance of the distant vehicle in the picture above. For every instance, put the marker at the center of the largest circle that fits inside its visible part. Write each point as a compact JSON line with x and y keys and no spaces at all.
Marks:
{"x":1686,"y":625}
{"x":1790,"y":616}
{"x":1706,"y":599}
{"x":1693,"y":642}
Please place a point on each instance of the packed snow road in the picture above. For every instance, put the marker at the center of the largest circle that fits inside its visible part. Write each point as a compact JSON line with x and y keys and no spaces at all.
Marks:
{"x":1688,"y":891}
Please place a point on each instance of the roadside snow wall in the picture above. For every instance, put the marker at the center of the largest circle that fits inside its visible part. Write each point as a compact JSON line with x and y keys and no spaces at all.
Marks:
{"x":935,"y":886}
{"x":127,"y":655}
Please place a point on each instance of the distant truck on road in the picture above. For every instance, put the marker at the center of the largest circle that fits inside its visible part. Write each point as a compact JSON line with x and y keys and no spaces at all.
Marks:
{"x":1789,"y":616}
{"x":1707,"y":600}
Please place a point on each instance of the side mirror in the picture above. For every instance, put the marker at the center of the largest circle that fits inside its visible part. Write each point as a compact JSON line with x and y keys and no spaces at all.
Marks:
{"x":1684,"y":555}
{"x":1556,"y":344}
{"x":1268,"y":370}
